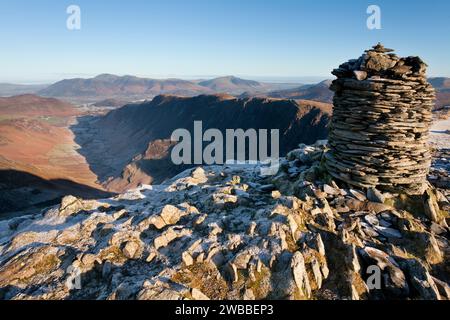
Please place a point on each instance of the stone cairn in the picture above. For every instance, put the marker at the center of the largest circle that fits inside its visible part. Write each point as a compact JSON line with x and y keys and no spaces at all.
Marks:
{"x":380,"y":125}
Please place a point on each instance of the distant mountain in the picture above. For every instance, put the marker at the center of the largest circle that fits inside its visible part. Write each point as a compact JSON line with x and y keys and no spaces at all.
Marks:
{"x":320,"y":92}
{"x":237,"y":86}
{"x":9,"y":89}
{"x":131,"y":145}
{"x":442,"y":99}
{"x":317,"y":92}
{"x":113,"y":90}
{"x":234,"y":85}
{"x":440,"y":83}
{"x":442,"y":86}
{"x":128,"y":87}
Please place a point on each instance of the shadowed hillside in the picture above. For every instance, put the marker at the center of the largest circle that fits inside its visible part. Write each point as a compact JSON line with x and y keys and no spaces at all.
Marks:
{"x":137,"y":136}
{"x":35,"y":141}
{"x":24,"y":191}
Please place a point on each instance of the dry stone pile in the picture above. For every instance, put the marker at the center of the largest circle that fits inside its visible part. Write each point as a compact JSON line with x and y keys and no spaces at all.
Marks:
{"x":381,"y":120}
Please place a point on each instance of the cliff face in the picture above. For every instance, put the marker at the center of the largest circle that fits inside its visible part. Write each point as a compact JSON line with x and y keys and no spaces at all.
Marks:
{"x":132,"y":145}
{"x":225,"y":232}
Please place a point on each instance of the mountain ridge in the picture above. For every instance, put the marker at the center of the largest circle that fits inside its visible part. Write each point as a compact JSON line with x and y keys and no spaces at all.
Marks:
{"x":131,"y":88}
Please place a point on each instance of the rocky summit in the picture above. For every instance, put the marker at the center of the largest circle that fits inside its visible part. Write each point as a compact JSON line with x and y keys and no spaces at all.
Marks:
{"x":381,"y":121}
{"x":225,"y":232}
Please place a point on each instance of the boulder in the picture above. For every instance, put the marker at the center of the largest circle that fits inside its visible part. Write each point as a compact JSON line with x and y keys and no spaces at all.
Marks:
{"x":300,"y":274}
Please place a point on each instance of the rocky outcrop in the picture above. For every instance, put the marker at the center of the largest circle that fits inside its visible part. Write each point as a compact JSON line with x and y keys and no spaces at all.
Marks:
{"x":381,"y":119}
{"x":228,"y":233}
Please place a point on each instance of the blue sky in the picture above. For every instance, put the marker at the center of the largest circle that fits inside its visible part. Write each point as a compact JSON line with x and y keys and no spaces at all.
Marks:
{"x":262,"y":39}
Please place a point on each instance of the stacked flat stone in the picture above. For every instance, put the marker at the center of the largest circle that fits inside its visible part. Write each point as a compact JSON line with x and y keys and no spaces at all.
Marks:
{"x":380,"y":125}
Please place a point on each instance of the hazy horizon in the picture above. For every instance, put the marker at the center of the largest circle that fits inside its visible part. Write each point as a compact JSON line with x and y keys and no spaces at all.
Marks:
{"x":267,"y":79}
